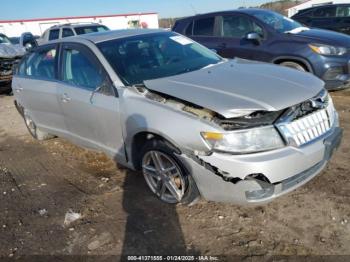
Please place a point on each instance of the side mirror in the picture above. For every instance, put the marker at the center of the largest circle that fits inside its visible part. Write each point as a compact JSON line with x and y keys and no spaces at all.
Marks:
{"x":254,"y":37}
{"x":28,"y":46}
{"x":28,"y":41}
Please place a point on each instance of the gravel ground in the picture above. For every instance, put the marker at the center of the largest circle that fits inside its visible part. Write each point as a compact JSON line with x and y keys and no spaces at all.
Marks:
{"x":58,"y":199}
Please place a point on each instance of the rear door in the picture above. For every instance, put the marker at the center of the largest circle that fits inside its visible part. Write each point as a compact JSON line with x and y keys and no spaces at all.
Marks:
{"x":36,"y":86}
{"x":89,"y":101}
{"x":204,"y":30}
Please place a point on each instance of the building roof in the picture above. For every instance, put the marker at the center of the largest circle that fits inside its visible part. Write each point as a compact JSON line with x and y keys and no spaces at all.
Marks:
{"x":72,"y":17}
{"x":293,"y":6}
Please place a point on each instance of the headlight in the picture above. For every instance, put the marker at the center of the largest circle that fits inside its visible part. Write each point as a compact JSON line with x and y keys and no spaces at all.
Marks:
{"x":328,"y":49}
{"x":245,"y":141}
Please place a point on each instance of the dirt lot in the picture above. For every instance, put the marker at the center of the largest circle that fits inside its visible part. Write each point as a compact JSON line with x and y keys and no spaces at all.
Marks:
{"x":41,"y":181}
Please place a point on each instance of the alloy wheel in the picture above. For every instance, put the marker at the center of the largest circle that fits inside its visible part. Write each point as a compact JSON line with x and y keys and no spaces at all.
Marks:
{"x":164,"y":176}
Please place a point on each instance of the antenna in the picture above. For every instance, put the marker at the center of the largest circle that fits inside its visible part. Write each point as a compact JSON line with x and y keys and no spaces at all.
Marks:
{"x":193,"y":9}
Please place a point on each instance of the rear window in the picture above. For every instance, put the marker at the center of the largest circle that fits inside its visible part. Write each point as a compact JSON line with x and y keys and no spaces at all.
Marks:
{"x":40,"y":64}
{"x":204,"y":27}
{"x":54,"y":34}
{"x":90,"y":29}
{"x":67,"y":32}
{"x":325,"y":12}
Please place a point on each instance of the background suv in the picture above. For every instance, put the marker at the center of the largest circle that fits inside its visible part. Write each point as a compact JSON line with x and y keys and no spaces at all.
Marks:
{"x":332,"y":17}
{"x":66,"y":30}
{"x":264,"y":35}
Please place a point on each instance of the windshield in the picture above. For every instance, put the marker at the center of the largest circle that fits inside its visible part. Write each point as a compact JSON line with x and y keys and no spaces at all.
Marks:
{"x":152,"y":56}
{"x":279,"y":22}
{"x":4,"y":39}
{"x":82,"y":30}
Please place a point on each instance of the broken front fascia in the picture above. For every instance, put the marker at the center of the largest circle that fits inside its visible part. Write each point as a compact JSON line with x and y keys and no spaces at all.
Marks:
{"x":253,"y":119}
{"x":250,"y":118}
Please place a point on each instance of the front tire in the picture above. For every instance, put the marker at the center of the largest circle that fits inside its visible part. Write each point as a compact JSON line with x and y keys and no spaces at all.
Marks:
{"x":293,"y":65}
{"x":165,"y":175}
{"x":34,"y":131}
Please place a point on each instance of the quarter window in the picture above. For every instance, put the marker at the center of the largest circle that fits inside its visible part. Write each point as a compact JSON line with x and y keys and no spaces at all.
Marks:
{"x":239,"y":26}
{"x":67,"y":32}
{"x":204,"y":27}
{"x":80,"y":70}
{"x":40,"y":64}
{"x":54,"y":34}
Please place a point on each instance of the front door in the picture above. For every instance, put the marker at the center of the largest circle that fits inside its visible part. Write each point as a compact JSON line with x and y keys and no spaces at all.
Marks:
{"x":89,"y":101}
{"x":234,"y":29}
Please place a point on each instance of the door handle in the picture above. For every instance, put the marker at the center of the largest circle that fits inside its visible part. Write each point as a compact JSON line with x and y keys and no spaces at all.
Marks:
{"x":65,"y":98}
{"x":19,"y":89}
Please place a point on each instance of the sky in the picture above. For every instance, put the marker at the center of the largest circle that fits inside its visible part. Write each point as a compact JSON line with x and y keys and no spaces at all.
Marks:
{"x":24,"y":9}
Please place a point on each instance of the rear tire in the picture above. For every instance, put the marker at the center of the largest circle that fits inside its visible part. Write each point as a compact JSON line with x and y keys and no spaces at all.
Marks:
{"x":165,"y":175}
{"x":34,"y":131}
{"x":294,"y":65}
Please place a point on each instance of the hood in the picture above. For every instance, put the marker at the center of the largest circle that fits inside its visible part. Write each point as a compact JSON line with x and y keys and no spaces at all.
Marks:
{"x":239,"y":87}
{"x":10,"y":51}
{"x":325,"y":36}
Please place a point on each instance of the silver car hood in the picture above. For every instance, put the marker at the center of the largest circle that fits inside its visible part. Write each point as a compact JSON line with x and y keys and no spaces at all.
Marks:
{"x":239,"y":87}
{"x":10,"y":51}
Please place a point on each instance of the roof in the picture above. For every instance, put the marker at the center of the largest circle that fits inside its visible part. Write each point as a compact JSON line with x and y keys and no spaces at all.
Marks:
{"x":72,"y":17}
{"x":114,"y":34}
{"x":75,"y":25}
{"x":240,"y":11}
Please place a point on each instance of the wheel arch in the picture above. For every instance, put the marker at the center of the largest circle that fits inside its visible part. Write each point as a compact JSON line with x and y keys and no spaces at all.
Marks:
{"x":140,"y":138}
{"x":304,"y":62}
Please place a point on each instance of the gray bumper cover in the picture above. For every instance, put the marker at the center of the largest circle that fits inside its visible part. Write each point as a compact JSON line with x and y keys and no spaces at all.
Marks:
{"x":251,"y":191}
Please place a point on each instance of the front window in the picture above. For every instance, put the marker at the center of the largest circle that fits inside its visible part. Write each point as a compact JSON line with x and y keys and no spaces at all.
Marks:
{"x":4,"y":39}
{"x":82,"y":30}
{"x":279,"y":22}
{"x":343,"y":11}
{"x":239,"y":26}
{"x":139,"y":58}
{"x":80,"y":70}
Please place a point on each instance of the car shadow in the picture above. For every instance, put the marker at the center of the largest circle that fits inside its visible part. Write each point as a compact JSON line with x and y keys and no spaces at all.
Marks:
{"x":152,"y":226}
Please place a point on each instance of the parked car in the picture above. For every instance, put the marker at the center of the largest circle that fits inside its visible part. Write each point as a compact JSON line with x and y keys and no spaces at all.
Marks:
{"x":194,"y":123}
{"x":72,"y":29}
{"x":267,"y":36}
{"x":10,"y":54}
{"x":334,"y":17}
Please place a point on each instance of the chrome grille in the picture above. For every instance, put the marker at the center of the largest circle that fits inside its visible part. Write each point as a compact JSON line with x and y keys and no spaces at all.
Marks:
{"x":310,"y":127}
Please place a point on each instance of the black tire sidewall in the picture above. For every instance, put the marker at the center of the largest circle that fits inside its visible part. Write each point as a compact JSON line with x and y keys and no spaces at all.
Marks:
{"x":30,"y":131}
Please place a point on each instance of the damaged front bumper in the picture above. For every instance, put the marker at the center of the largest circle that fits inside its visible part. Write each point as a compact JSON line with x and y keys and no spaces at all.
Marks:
{"x":285,"y":169}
